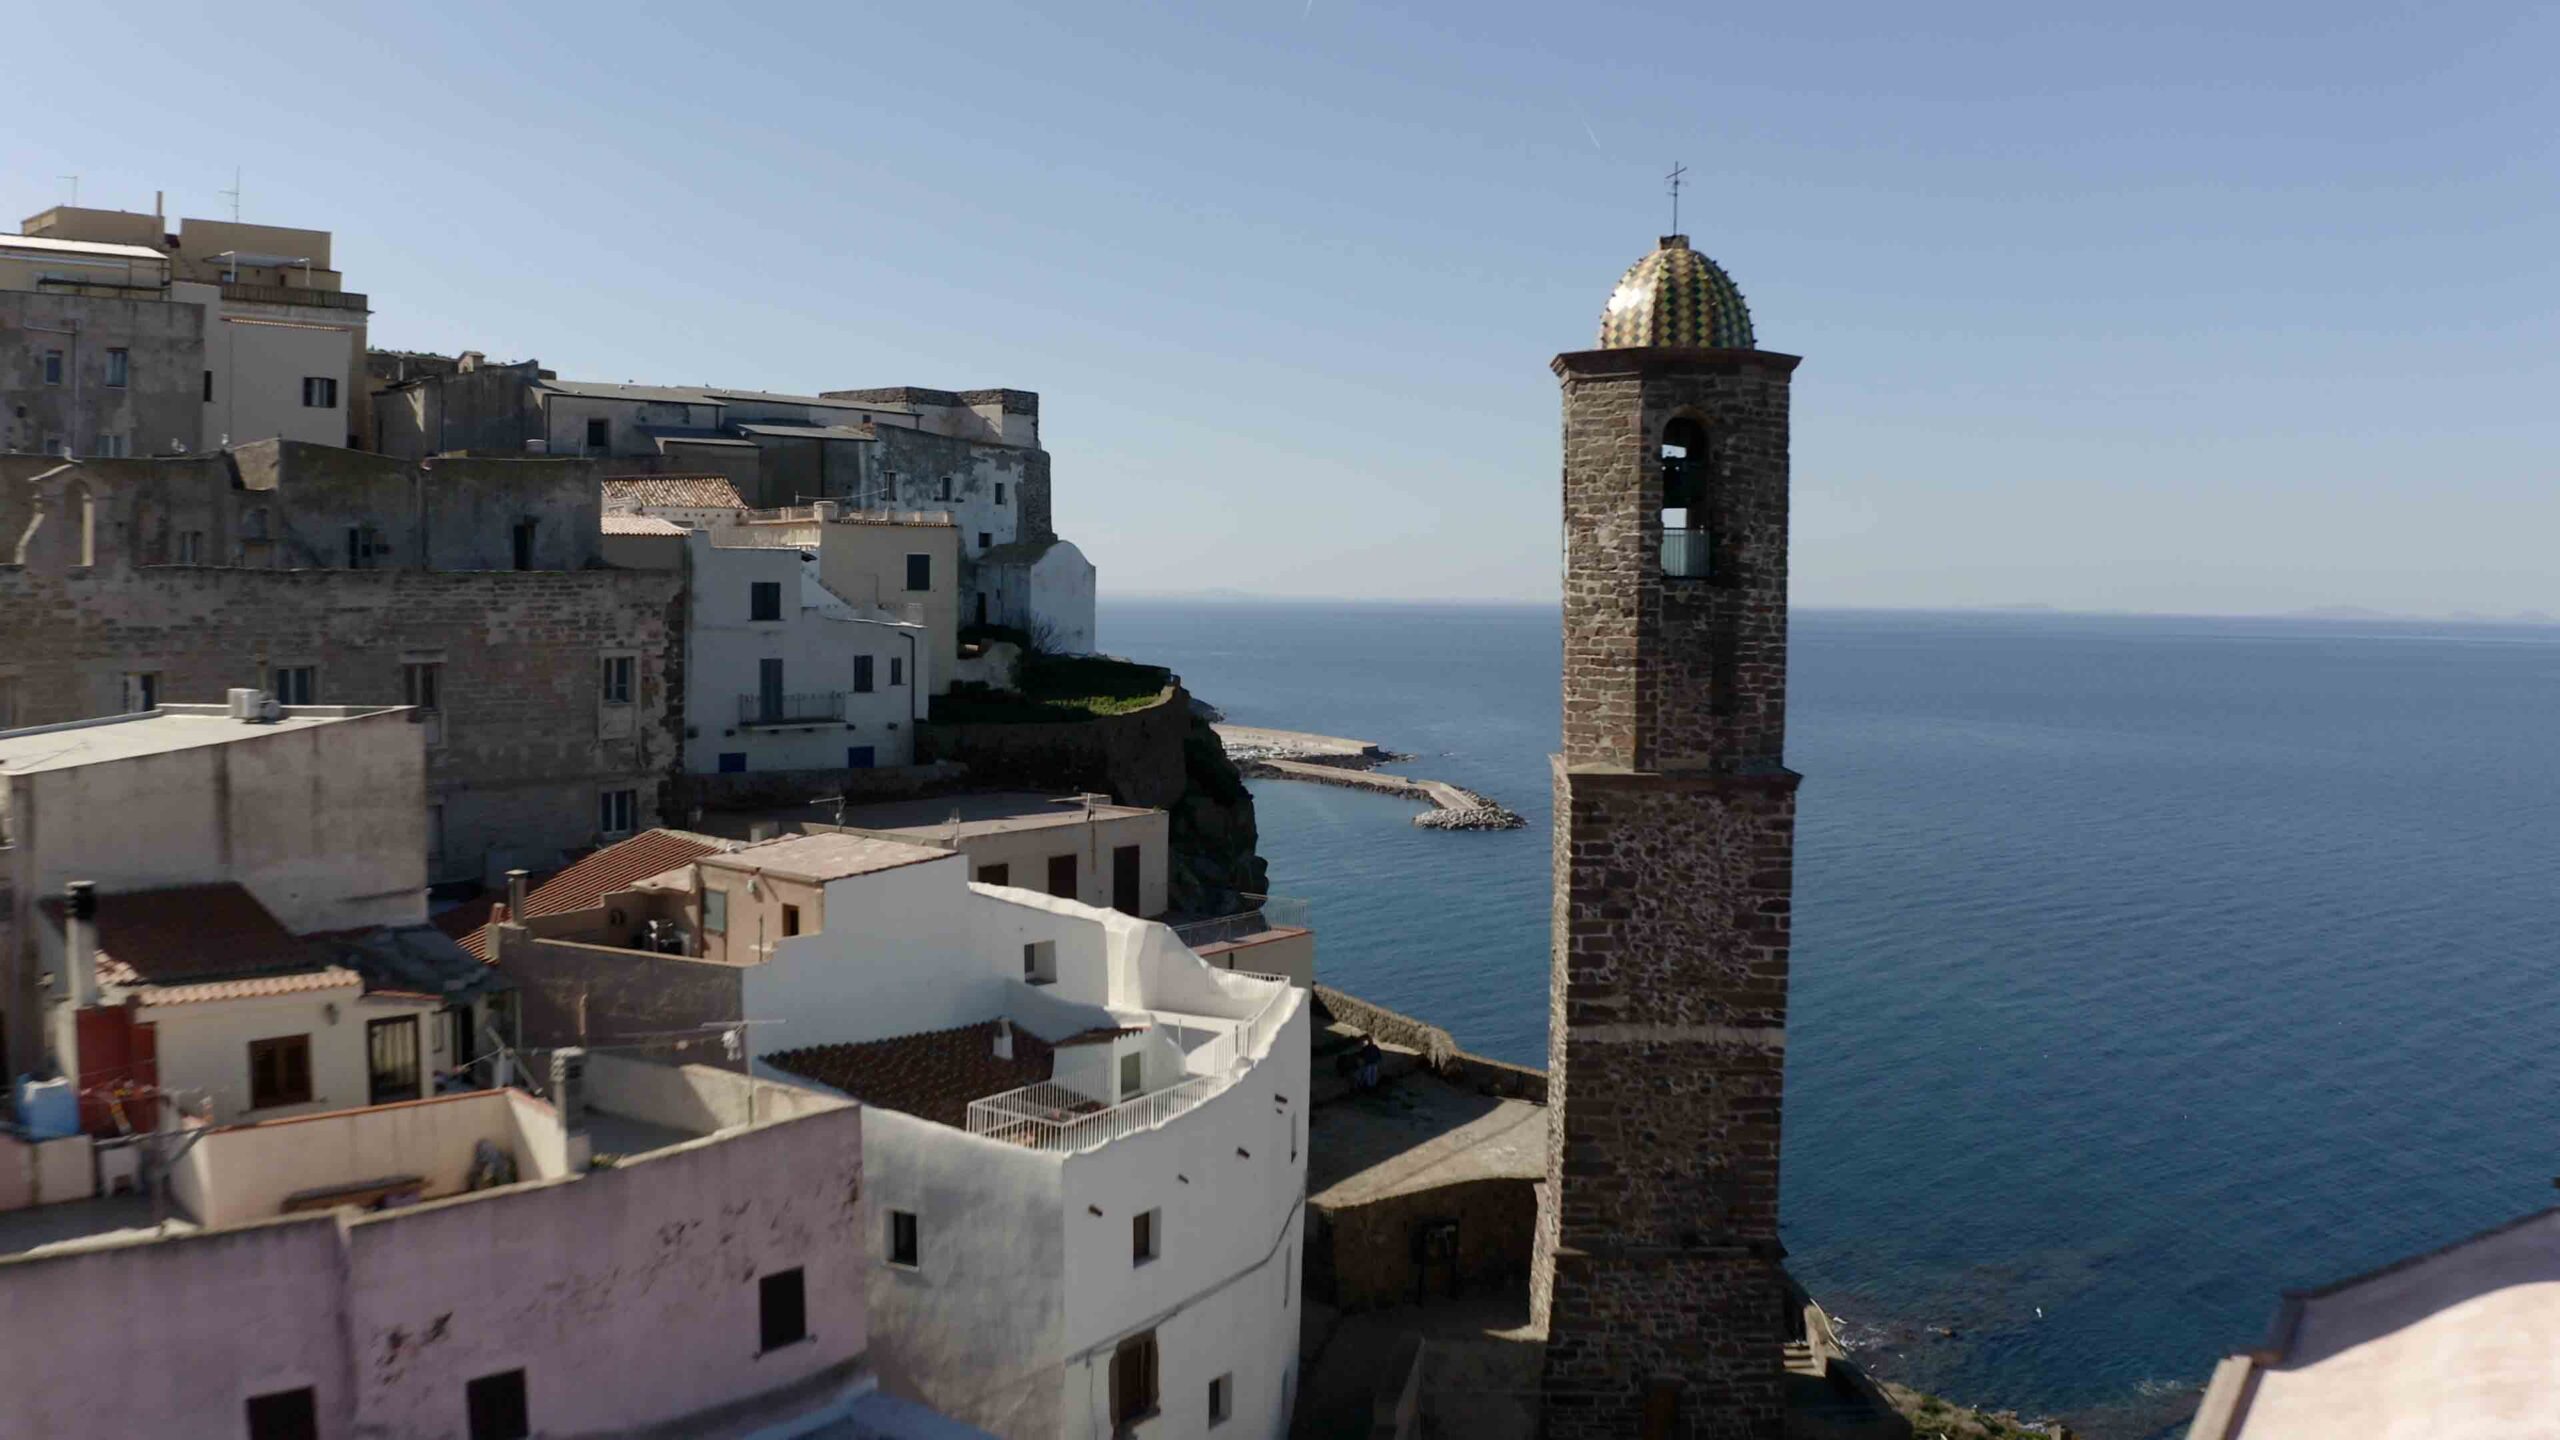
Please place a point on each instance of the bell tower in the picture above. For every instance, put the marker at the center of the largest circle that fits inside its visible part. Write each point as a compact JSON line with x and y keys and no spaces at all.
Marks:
{"x":1657,"y":1268}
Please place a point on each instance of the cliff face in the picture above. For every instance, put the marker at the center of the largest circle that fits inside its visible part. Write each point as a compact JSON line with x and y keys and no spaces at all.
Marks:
{"x":1162,"y":755}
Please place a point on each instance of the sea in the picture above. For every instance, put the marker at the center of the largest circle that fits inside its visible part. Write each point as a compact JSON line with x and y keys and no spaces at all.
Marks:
{"x":2144,"y":967}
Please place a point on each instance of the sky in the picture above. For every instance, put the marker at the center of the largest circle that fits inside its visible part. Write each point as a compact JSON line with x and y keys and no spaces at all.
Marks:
{"x":2176,"y":307}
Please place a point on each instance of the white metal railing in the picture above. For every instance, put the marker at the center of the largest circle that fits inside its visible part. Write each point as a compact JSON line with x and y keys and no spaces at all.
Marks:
{"x":1051,"y":1117}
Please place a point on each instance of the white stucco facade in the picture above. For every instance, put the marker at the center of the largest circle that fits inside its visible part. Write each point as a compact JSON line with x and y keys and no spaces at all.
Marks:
{"x":810,"y":681}
{"x":1044,"y":590}
{"x":1028,"y":1278}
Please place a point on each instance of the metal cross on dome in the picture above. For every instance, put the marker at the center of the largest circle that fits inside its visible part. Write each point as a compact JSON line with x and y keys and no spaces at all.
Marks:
{"x":1678,"y":170}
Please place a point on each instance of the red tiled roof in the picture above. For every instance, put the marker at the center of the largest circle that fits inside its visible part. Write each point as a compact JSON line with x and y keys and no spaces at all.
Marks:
{"x":690,"y":491}
{"x":584,"y":885}
{"x":335,"y":977}
{"x":190,"y":933}
{"x":616,"y":523}
{"x":933,"y":1075}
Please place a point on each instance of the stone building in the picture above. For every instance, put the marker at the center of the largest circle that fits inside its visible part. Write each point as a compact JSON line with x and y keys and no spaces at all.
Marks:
{"x":1658,"y":1270}
{"x":472,"y":590}
{"x":120,"y":336}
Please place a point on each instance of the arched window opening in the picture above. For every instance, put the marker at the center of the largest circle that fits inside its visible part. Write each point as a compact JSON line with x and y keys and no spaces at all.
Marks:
{"x":1688,"y":540}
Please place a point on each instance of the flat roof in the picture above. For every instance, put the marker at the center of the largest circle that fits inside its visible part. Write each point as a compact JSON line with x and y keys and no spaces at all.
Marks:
{"x":991,"y":813}
{"x":820,"y":858}
{"x":1426,"y":1134}
{"x":84,"y":247}
{"x":74,"y":743}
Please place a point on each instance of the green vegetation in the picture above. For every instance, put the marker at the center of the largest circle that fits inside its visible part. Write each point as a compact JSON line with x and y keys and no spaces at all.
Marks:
{"x":1057,"y":689}
{"x":1935,"y":1419}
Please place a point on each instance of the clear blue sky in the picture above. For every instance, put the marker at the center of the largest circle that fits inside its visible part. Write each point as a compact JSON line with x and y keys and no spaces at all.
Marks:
{"x":2187,"y":307}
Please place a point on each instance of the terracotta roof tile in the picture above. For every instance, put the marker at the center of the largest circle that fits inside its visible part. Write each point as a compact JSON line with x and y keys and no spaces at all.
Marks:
{"x":691,"y":491}
{"x":933,"y":1075}
{"x":190,"y":933}
{"x":616,"y":523}
{"x":584,"y":885}
{"x":335,"y":977}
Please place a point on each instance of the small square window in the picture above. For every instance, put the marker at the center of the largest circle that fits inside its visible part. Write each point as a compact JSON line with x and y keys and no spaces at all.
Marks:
{"x":619,"y":671}
{"x":1146,"y":1236}
{"x":1000,"y":874}
{"x":1039,"y":959}
{"x":280,"y":1071}
{"x":790,"y":919}
{"x":297,"y":684}
{"x":733,"y":762}
{"x":919,"y":572}
{"x":422,"y":683}
{"x":943,"y":492}
{"x":999,"y":492}
{"x":903,"y":1244}
{"x":764,"y":600}
{"x":496,"y":1407}
{"x":142,"y":690}
{"x":319,"y":392}
{"x":986,"y":541}
{"x":715,"y":912}
{"x":119,"y":368}
{"x":897,"y":671}
{"x":1222,"y":1398}
{"x":1133,"y":1075}
{"x":285,"y":1415}
{"x":783,"y":1310}
{"x":52,"y":368}
{"x":599,"y":434}
{"x":862,"y":675}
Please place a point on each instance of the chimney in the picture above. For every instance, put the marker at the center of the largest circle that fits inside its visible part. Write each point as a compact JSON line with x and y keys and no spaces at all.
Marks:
{"x":1004,"y":1039}
{"x":158,"y":200}
{"x":826,"y":511}
{"x":515,"y":893}
{"x":80,"y":942}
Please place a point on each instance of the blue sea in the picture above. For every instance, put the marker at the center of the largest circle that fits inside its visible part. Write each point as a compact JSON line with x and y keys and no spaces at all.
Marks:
{"x":2144,"y":967}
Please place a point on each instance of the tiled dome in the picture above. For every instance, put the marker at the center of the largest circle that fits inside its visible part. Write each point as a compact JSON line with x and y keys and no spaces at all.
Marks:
{"x":1676,"y":296}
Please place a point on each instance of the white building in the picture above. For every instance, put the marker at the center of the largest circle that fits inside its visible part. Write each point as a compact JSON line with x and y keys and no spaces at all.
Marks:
{"x":1084,"y":1146}
{"x":253,"y":941}
{"x":782,"y":673}
{"x":1076,"y":847}
{"x":1043,"y":588}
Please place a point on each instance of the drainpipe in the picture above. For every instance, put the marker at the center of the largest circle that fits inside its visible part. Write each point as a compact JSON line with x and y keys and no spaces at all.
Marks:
{"x":80,"y":942}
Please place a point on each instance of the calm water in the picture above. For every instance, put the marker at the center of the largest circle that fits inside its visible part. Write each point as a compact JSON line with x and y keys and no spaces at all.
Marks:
{"x":2143,"y":967}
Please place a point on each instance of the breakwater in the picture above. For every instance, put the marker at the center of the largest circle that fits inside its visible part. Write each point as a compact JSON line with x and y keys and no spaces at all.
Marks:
{"x":1335,"y":760}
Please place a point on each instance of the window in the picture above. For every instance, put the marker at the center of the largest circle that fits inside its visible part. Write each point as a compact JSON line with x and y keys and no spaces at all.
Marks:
{"x":190,"y":547}
{"x":860,"y":757}
{"x":280,"y":1071}
{"x":295,"y":684}
{"x":1145,"y":1233}
{"x":616,"y":810}
{"x":1062,"y":876}
{"x":897,"y":671}
{"x":119,"y":368}
{"x":733,"y":762}
{"x":364,"y":546}
{"x":790,"y":919}
{"x":987,"y":874}
{"x":783,"y":1310}
{"x":764,"y":600}
{"x":9,"y":703}
{"x":1222,"y":1398}
{"x":523,"y":536}
{"x":208,"y":387}
{"x":861,"y":674}
{"x":253,"y":523}
{"x":618,"y":673}
{"x":1133,"y":1075}
{"x":599,"y":434}
{"x":1133,"y":1379}
{"x":284,"y":1415}
{"x":1040,"y":961}
{"x":422,"y":684}
{"x":919,"y":572}
{"x":985,"y":540}
{"x":496,"y":1407}
{"x":113,"y":447}
{"x":319,"y":392}
{"x":52,"y":369}
{"x":142,"y":690}
{"x":435,"y":838}
{"x":943,"y":492}
{"x":715,"y":912}
{"x":903,"y":1245}
{"x":999,"y":492}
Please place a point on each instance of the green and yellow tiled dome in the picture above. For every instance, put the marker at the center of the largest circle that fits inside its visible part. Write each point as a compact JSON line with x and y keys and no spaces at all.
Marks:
{"x":1676,"y":296}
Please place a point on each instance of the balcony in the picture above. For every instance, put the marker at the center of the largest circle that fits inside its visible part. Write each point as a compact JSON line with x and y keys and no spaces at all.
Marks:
{"x":244,"y":293}
{"x":1685,"y":553}
{"x":816,"y":707}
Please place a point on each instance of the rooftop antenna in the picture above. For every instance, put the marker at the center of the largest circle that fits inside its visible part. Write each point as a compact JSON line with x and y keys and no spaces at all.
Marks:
{"x":75,"y":189}
{"x":1678,"y":171}
{"x":233,"y":194}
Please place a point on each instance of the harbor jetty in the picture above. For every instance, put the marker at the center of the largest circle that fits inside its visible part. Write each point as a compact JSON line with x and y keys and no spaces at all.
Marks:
{"x":1336,"y":760}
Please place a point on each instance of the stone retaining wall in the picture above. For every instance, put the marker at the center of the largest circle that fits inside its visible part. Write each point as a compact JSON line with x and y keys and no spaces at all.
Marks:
{"x":1497,"y":1077}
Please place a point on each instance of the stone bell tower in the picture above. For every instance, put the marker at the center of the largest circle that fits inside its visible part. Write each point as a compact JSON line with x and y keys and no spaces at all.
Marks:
{"x":1658,"y":1260}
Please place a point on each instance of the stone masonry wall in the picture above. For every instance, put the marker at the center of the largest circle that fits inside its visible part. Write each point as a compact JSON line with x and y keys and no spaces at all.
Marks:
{"x":1666,"y":673}
{"x":526,"y":746}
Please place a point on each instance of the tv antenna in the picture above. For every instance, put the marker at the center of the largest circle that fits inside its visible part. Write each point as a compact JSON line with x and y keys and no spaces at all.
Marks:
{"x":234,"y":194}
{"x":1678,"y":172}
